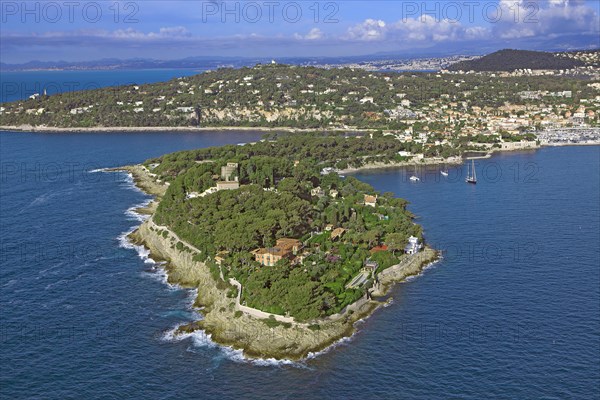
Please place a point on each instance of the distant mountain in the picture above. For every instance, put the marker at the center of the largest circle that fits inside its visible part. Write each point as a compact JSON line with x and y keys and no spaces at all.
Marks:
{"x":136,"y":63}
{"x":503,"y":60}
{"x":509,"y":60}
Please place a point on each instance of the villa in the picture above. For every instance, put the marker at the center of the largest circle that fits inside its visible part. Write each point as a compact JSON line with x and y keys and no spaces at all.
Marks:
{"x":284,"y":248}
{"x":229,"y":172}
{"x":370,"y":200}
{"x":229,"y":177}
{"x":413,"y":245}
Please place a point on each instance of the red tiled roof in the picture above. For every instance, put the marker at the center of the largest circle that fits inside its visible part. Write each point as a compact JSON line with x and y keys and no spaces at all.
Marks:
{"x":370,"y":199}
{"x":383,"y":247}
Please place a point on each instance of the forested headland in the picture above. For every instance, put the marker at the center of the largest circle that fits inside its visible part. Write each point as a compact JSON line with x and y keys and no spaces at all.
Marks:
{"x":342,"y":223}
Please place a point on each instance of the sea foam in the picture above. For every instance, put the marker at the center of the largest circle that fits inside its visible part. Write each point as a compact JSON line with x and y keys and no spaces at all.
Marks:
{"x":95,"y":171}
{"x":133,"y":215}
{"x":423,"y":270}
{"x":128,"y":182}
{"x":202,"y":339}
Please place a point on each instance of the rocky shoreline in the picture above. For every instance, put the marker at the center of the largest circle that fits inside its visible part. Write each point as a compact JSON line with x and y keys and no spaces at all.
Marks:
{"x":257,"y":338}
{"x":141,"y":129}
{"x":394,"y":165}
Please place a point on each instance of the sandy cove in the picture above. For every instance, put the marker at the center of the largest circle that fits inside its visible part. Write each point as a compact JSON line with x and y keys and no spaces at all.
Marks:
{"x":236,"y":329}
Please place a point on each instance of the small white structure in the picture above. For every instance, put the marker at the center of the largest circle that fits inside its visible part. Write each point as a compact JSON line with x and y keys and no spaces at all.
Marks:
{"x":317,"y":192}
{"x":413,"y":245}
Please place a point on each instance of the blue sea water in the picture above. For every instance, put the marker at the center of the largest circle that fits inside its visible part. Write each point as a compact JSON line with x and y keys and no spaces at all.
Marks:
{"x":22,"y":84}
{"x":512,"y":311}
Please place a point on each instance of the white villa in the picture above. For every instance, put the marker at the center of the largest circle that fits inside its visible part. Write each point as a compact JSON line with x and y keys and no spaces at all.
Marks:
{"x":413,"y":245}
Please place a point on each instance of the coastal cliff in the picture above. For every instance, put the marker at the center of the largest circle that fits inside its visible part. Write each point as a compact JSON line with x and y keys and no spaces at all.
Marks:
{"x":256,"y":337}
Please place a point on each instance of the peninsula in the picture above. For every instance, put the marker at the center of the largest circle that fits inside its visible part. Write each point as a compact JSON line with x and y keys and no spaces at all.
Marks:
{"x":434,"y":113}
{"x":286,"y":255}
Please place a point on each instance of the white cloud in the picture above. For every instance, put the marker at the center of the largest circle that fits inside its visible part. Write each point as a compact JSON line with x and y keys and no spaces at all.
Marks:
{"x":545,"y":17}
{"x":174,"y":31}
{"x":370,"y":29}
{"x":163,"y":33}
{"x":313,"y":34}
{"x":516,"y":19}
{"x":570,"y":23}
{"x":420,"y":29}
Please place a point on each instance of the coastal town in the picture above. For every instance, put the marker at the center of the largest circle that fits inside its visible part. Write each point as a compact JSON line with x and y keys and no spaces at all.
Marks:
{"x":412,"y":64}
{"x":438,"y":115}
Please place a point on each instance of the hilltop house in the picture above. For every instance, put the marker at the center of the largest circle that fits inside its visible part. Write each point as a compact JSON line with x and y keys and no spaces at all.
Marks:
{"x":229,"y":177}
{"x":229,"y":172}
{"x":284,"y":248}
{"x":370,"y":200}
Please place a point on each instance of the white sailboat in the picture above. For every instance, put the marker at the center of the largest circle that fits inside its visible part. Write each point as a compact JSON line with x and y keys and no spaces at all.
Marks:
{"x":414,"y":177}
{"x":444,"y":172}
{"x":472,"y":175}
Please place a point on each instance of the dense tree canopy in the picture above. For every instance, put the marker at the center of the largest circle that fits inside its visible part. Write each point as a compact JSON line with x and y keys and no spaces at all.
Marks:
{"x":274,"y":202}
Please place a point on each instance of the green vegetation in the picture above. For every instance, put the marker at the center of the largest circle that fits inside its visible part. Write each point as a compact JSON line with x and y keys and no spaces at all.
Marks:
{"x":279,"y":198}
{"x":289,"y":96}
{"x":509,"y":60}
{"x":271,"y":322}
{"x":264,"y":162}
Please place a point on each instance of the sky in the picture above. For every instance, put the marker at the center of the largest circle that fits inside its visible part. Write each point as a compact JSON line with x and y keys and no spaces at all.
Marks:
{"x":75,"y":30}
